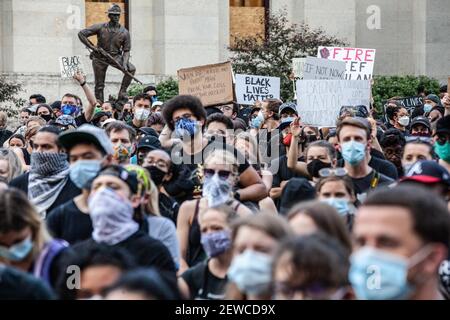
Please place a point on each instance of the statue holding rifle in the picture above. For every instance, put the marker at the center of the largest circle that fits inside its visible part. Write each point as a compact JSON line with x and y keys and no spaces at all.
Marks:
{"x":113,"y":49}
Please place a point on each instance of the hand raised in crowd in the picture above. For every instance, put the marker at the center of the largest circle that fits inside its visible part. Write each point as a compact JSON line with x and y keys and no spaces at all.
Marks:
{"x":373,"y":126}
{"x":446,"y":101}
{"x":79,"y":77}
{"x":296,"y":128}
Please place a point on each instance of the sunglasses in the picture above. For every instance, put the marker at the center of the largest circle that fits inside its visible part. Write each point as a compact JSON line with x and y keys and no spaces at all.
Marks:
{"x":223,"y":174}
{"x":328,"y":172}
{"x":418,"y":139}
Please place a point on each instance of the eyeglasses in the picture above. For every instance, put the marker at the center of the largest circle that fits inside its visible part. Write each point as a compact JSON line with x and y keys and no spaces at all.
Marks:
{"x":427,"y":140}
{"x":185,"y":116}
{"x":225,"y":108}
{"x":223,"y":174}
{"x":328,"y":172}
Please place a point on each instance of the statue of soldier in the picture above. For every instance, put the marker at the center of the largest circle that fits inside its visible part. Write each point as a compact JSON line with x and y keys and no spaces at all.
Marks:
{"x":113,"y":39}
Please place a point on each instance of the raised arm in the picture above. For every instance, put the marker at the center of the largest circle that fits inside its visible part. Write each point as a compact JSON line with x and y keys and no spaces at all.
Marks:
{"x":89,"y":109}
{"x":292,"y":160}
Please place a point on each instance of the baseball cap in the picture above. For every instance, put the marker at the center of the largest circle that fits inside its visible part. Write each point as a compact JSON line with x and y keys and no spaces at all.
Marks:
{"x":148,"y":131}
{"x":288,"y":106}
{"x":421,"y":120}
{"x":157,"y":103}
{"x":149,"y":142}
{"x":427,"y":172}
{"x":86,"y":133}
{"x":129,"y":177}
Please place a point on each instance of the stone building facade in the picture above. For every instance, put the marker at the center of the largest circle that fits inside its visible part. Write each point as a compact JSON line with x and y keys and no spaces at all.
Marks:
{"x":411,"y":36}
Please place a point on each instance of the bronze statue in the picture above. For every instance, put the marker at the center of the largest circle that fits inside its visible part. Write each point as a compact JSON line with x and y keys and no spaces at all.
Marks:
{"x":113,"y":49}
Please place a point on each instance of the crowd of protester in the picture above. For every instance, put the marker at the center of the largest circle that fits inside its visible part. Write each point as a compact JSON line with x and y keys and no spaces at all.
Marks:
{"x":174,"y":200}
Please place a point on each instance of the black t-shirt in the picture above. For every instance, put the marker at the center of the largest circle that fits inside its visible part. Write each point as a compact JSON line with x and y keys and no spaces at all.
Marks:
{"x":4,"y":135}
{"x":81,"y":119}
{"x":281,"y":172}
{"x":203,"y":284}
{"x":187,"y":185}
{"x":18,"y":285}
{"x":69,"y":223}
{"x":384,"y":167}
{"x":364,"y":185}
{"x":168,"y":207}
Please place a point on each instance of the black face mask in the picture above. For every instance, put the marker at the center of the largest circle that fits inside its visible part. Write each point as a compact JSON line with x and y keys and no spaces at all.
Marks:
{"x":46,"y":117}
{"x":156,"y":174}
{"x":310,"y":138}
{"x":315,"y":166}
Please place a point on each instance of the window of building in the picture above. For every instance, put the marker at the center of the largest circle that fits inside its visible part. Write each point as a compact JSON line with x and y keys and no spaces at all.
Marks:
{"x":96,"y":11}
{"x":247,"y":18}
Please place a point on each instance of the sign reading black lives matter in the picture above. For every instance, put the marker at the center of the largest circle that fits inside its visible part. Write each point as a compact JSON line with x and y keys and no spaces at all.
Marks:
{"x":250,"y":89}
{"x":69,"y":66}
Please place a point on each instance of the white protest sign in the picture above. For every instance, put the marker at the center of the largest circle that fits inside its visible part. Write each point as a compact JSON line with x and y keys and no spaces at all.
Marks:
{"x":359,"y":61}
{"x":323,"y":69}
{"x":250,"y":89}
{"x":69,"y":66}
{"x":297,"y":67}
{"x":319,"y":101}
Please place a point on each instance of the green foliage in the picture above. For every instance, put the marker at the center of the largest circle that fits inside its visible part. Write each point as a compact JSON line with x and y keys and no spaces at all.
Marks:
{"x":9,"y":90}
{"x":273,"y":56}
{"x":134,"y":89}
{"x":166,"y":89}
{"x":385,"y":87}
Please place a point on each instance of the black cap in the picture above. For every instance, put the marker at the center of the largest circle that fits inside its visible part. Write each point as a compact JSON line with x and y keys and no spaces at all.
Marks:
{"x":148,"y":131}
{"x":130,"y":178}
{"x":421,"y":120}
{"x":295,"y":191}
{"x":149,"y":142}
{"x":443,"y":125}
{"x":427,"y":172}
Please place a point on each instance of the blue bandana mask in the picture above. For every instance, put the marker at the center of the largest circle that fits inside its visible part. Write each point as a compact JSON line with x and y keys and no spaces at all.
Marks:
{"x":17,"y":252}
{"x":69,"y":109}
{"x":353,"y":152}
{"x":185,"y":127}
{"x":215,"y":243}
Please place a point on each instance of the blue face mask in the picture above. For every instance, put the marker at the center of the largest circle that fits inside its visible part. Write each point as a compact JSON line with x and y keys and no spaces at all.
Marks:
{"x":83,"y":171}
{"x":185,"y":127}
{"x":69,"y":109}
{"x":427,"y":107}
{"x":377,"y":275}
{"x":353,"y":152}
{"x":341,"y":205}
{"x":251,"y":272}
{"x":17,"y":252}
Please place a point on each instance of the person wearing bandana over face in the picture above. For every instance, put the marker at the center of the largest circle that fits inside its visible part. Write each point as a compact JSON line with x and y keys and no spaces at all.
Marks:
{"x":402,"y":234}
{"x":161,"y":169}
{"x":24,"y":242}
{"x":115,"y":210}
{"x":48,"y":183}
{"x":219,"y":176}
{"x":420,"y":127}
{"x":185,"y":116}
{"x":442,"y":141}
{"x":88,"y":149}
{"x":354,"y":144}
{"x":207,"y":280}
{"x":123,"y":138}
{"x":141,"y":111}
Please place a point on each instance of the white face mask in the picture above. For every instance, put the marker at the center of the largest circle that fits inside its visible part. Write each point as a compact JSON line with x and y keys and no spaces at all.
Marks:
{"x":404,"y":121}
{"x":142,"y":114}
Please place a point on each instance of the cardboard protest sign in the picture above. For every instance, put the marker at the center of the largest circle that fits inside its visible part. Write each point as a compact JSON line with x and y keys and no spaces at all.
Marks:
{"x":359,"y":61}
{"x":319,"y":101}
{"x":69,"y":66}
{"x":297,"y":67}
{"x":316,"y":68}
{"x":212,"y":84}
{"x":250,"y":89}
{"x":410,"y":103}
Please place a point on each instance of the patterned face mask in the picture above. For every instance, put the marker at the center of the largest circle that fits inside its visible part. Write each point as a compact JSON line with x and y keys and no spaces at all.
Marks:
{"x":122,"y":153}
